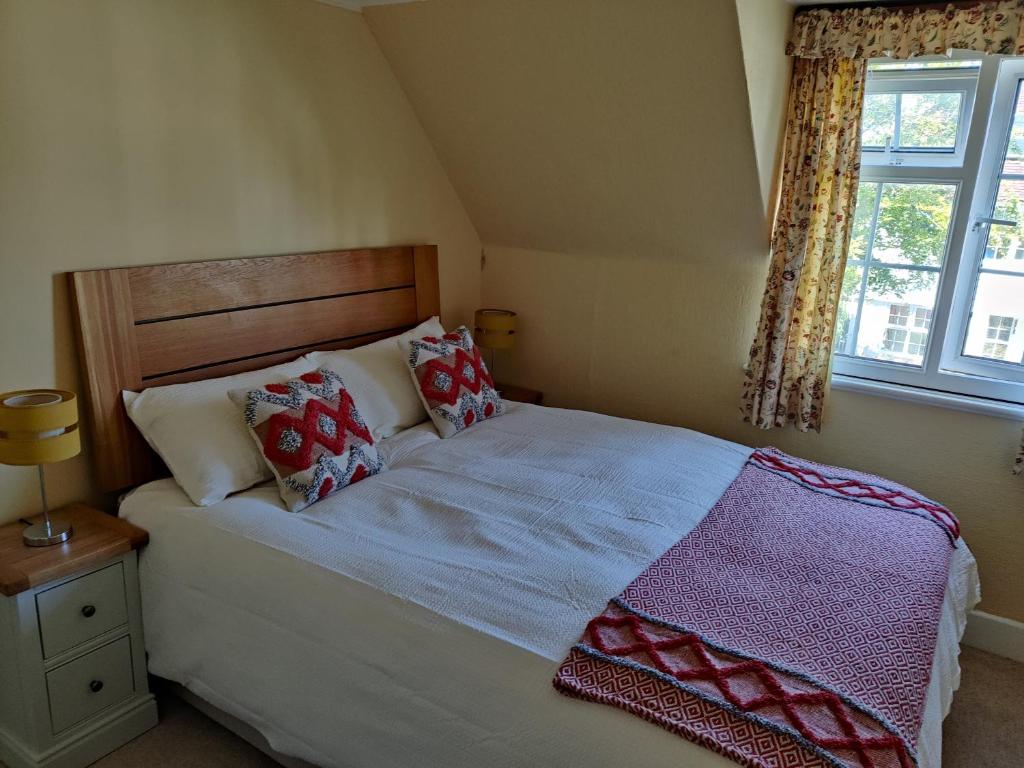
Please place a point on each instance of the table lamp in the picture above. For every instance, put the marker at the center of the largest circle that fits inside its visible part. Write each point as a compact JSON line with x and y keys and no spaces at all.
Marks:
{"x":494,"y":329}
{"x":40,"y":426}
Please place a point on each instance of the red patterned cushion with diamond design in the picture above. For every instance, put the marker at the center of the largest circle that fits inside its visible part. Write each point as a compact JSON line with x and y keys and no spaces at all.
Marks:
{"x":452,"y":380}
{"x":311,"y":435}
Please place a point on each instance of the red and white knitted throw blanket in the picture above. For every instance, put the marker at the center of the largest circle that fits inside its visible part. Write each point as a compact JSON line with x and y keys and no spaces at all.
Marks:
{"x":795,"y":625}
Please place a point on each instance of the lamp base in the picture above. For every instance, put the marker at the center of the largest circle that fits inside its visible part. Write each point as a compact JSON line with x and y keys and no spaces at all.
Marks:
{"x":43,"y":535}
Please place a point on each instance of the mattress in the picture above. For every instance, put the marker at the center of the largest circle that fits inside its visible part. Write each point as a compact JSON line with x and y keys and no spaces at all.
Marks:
{"x":418,"y":617}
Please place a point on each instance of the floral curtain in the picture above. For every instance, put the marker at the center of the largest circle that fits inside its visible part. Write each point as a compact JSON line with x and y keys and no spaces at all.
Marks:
{"x":787,"y":374}
{"x":863,"y":33}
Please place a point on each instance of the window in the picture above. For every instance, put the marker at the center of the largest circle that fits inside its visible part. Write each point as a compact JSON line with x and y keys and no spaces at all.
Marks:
{"x":998,"y":334}
{"x":893,"y":340}
{"x":917,"y":115}
{"x":893,"y":264}
{"x":993,"y":350}
{"x":933,"y":293}
{"x":1000,"y":328}
{"x":899,"y":314}
{"x":917,"y":343}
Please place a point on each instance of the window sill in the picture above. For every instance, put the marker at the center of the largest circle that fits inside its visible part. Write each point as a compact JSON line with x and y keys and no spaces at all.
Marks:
{"x":929,"y":397}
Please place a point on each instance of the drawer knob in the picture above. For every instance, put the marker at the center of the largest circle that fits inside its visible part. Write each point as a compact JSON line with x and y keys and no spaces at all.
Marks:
{"x":88,"y":611}
{"x":96,"y":686}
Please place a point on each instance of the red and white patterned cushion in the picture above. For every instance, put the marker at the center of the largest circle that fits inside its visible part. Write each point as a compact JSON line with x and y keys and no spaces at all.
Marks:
{"x":452,"y":380}
{"x":311,"y":435}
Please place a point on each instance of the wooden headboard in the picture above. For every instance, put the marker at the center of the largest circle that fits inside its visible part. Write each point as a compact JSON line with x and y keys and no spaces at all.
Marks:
{"x":140,"y":327}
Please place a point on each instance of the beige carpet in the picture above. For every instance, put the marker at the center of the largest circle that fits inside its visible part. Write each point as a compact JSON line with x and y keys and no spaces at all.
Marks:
{"x":984,"y":730}
{"x":985,"y":727}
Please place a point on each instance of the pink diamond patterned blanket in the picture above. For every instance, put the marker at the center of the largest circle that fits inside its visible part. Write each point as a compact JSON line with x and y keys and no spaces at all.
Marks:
{"x":795,"y":625}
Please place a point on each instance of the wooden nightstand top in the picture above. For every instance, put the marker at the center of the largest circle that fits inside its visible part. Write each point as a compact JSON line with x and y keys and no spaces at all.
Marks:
{"x":97,"y":537}
{"x":520,"y":394}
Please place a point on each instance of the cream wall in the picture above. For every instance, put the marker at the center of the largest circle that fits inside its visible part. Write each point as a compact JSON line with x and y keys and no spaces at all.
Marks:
{"x":618,"y":159}
{"x":143,"y":131}
{"x":763,"y":23}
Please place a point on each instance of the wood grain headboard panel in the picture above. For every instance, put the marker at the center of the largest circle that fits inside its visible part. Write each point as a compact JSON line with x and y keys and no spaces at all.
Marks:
{"x":140,"y":327}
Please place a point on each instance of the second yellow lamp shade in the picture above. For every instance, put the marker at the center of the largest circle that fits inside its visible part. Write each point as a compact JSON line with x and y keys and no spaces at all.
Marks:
{"x":495,"y":328}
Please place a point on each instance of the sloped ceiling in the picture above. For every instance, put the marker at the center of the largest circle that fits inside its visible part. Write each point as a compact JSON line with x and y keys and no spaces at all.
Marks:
{"x":587,"y":126}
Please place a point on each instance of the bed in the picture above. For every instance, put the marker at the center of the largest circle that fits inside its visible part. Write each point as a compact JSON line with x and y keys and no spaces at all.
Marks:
{"x":418,"y":616}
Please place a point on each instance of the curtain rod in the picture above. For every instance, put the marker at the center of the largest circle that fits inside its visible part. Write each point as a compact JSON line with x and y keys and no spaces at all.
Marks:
{"x":895,"y":4}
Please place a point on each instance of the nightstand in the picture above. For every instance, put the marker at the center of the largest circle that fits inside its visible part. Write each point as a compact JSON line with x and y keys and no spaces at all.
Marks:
{"x":72,"y":664}
{"x":520,"y":394}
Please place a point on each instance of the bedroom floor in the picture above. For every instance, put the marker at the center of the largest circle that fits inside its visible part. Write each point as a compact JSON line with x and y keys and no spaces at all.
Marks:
{"x":984,"y":730}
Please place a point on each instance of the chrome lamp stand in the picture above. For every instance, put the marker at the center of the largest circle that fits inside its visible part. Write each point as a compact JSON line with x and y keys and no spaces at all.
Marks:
{"x":49,"y":531}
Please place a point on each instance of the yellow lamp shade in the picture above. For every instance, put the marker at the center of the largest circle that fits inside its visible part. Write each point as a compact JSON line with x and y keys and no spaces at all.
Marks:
{"x":495,"y":328}
{"x":38,"y":426}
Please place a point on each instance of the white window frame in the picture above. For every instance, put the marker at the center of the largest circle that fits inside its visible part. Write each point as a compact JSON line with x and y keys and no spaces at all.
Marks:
{"x":946,"y":375}
{"x":1010,"y":78}
{"x":959,"y":81}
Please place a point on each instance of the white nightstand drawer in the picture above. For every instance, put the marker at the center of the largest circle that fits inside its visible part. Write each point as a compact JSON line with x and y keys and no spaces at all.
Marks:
{"x":89,"y":684}
{"x":72,"y":656}
{"x":81,"y":609}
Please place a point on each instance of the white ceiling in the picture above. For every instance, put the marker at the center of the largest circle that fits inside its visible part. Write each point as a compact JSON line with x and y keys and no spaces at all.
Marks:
{"x":358,"y":5}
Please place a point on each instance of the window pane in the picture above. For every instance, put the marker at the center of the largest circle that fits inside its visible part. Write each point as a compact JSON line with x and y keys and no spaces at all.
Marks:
{"x":996,"y":330}
{"x":913,"y":221}
{"x":878,"y":122}
{"x":867,"y":192}
{"x":1014,"y":161}
{"x":894,"y":340}
{"x":929,"y":120}
{"x":888,"y":325}
{"x":847,"y":312}
{"x":899,"y":314}
{"x":1004,"y":249}
{"x":913,"y":64}
{"x":916,"y":343}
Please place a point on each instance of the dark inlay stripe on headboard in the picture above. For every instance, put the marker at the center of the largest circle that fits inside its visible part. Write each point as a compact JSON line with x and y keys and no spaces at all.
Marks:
{"x":171,"y":345}
{"x":270,"y":304}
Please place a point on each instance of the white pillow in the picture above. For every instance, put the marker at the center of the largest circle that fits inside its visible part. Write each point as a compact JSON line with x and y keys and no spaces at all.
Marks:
{"x":200,"y":435}
{"x":378,"y":379}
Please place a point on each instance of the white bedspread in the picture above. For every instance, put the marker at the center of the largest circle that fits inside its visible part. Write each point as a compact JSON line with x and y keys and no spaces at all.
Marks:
{"x":418,"y":616}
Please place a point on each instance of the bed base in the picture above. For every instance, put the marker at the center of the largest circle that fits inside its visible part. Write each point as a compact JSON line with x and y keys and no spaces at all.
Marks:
{"x":241,"y":729}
